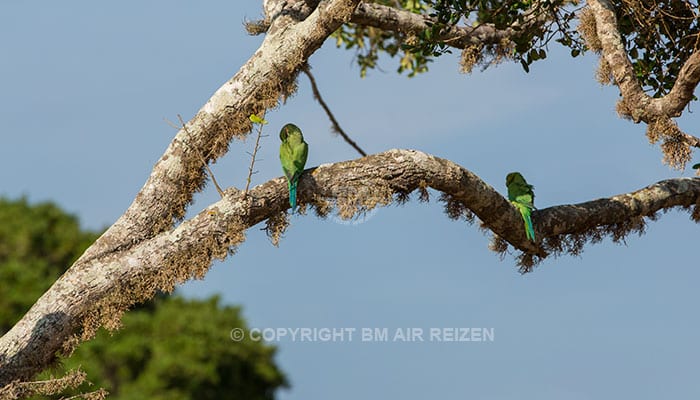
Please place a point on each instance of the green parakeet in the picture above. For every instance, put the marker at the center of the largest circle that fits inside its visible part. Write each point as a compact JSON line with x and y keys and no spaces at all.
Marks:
{"x":523,"y":198}
{"x":293,"y":153}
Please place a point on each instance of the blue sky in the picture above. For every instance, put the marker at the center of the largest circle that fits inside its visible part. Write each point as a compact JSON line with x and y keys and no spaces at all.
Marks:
{"x":86,"y":89}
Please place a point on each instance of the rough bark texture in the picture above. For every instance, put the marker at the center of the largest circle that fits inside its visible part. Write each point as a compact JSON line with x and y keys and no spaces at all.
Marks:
{"x":269,"y":74}
{"x":636,"y":104}
{"x":97,"y":291}
{"x":461,"y":37}
{"x":402,"y":21}
{"x":258,"y":85}
{"x":144,"y":251}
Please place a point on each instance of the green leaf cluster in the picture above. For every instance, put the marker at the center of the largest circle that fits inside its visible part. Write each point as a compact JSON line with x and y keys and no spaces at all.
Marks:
{"x":37,"y":242}
{"x":531,"y":33}
{"x":533,"y":25}
{"x":169,"y":348}
{"x":370,"y":42}
{"x":659,"y":37}
{"x":179,"y":349}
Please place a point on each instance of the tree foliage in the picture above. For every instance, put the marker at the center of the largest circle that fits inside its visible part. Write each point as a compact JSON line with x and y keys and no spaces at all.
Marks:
{"x":37,"y":243}
{"x":153,"y":246}
{"x":179,"y":349}
{"x":532,"y":25}
{"x":659,"y":36}
{"x":371,"y":42}
{"x":169,"y":348}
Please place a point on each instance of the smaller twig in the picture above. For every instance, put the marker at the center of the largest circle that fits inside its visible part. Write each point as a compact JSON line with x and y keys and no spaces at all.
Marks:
{"x":336,"y":126}
{"x":255,"y":152}
{"x":691,"y":140}
{"x":204,"y":162}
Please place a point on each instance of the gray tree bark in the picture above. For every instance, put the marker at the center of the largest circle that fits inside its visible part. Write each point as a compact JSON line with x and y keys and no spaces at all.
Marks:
{"x":144,"y":252}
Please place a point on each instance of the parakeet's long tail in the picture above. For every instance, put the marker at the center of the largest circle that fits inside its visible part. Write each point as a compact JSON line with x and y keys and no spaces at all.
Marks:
{"x":293,"y":192}
{"x":529,"y":230}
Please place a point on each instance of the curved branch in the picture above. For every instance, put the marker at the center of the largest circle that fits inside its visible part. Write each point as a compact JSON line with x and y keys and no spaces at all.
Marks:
{"x":638,"y":105}
{"x":614,"y":53}
{"x":461,"y":37}
{"x":682,"y":91}
{"x":96,"y":292}
{"x":55,"y":319}
{"x":398,"y":20}
{"x":268,"y":74}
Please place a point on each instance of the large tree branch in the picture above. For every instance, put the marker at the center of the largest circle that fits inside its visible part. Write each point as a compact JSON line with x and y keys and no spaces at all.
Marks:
{"x":142,"y":252}
{"x":682,"y":91}
{"x":402,"y":21}
{"x":636,"y":104}
{"x":96,"y":292}
{"x":269,"y":74}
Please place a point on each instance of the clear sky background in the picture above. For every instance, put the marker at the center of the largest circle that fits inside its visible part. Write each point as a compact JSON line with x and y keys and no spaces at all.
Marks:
{"x":85,"y":89}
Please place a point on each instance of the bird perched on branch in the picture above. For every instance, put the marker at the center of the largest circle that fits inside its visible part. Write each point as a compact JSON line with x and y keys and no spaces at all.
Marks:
{"x":293,"y":153}
{"x":522,"y":196}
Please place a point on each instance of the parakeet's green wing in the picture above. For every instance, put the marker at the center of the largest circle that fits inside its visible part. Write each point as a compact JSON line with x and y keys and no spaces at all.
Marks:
{"x":293,"y":158}
{"x":522,"y":195}
{"x":287,"y":160}
{"x":293,"y":154}
{"x":301,"y":152}
{"x":527,"y":199}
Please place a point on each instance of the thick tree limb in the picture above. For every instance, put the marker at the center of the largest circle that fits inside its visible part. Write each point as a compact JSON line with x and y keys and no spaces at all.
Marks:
{"x":682,"y":92}
{"x":402,"y":21}
{"x":637,"y":104}
{"x":97,"y":291}
{"x":269,"y":74}
{"x":142,"y":252}
{"x":393,"y":19}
